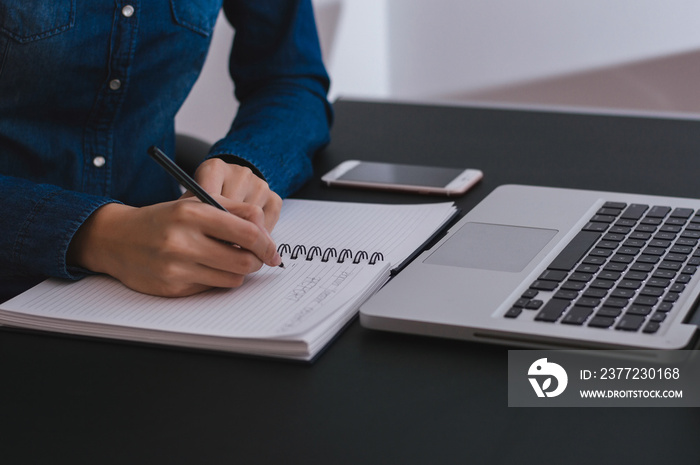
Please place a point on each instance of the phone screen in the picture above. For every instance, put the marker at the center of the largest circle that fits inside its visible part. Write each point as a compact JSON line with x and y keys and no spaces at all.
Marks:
{"x":384,"y":173}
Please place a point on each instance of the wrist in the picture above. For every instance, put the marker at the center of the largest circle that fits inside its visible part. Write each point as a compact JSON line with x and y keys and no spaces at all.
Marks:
{"x":90,"y":246}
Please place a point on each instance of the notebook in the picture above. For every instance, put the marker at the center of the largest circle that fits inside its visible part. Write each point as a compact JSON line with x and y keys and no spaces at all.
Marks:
{"x":546,"y":267}
{"x":336,"y":255}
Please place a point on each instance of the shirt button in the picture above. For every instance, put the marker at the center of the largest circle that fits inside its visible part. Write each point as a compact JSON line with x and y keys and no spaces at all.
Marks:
{"x":128,"y":10}
{"x":115,"y":84}
{"x":99,"y":161}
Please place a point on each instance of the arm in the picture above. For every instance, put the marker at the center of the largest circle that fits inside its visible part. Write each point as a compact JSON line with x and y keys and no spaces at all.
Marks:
{"x":38,"y":223}
{"x":172,"y":248}
{"x":281,"y":84}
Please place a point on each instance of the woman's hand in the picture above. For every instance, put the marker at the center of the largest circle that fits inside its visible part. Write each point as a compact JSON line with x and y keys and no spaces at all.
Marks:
{"x":239,"y":184}
{"x":178,"y":248}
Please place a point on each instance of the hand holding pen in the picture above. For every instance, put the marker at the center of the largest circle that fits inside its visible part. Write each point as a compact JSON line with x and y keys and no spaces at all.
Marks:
{"x":191,"y":185}
{"x":180,"y":247}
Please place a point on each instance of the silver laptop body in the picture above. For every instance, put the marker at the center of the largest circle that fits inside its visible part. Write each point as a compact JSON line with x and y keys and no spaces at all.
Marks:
{"x":467,"y":285}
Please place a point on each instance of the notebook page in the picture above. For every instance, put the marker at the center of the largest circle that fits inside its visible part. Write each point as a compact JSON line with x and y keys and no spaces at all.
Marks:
{"x":394,"y":230}
{"x":273,"y":303}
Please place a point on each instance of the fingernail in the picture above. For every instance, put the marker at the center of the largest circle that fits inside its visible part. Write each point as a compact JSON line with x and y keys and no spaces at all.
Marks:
{"x":276,"y":260}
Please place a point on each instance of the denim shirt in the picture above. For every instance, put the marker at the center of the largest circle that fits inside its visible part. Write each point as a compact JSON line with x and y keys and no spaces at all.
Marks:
{"x":86,"y":86}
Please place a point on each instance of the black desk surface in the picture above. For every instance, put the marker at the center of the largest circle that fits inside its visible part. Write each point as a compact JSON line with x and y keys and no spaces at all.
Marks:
{"x":372,"y":397}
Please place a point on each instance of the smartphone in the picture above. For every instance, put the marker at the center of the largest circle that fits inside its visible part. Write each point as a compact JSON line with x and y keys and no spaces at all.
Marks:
{"x":408,"y":178}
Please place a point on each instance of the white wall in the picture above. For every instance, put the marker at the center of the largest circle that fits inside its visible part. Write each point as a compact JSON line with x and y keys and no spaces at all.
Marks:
{"x":442,"y":47}
{"x":536,"y":51}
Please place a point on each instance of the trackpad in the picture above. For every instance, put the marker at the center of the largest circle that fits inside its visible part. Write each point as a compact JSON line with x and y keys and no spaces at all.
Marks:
{"x":492,"y":247}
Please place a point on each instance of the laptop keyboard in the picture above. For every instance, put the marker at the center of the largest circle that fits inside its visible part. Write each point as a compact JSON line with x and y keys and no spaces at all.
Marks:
{"x":624,"y":270}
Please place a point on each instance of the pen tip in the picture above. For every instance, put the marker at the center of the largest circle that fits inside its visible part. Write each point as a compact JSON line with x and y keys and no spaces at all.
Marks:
{"x":281,"y":265}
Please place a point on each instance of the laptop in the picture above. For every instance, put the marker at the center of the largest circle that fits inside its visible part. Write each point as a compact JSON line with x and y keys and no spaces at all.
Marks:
{"x":549,"y":267}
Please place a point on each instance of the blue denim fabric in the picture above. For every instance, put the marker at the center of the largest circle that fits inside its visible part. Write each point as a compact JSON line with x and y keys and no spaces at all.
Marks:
{"x":86,"y":86}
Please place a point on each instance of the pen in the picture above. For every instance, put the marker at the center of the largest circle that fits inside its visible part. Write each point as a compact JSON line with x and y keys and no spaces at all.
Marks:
{"x":185,"y":180}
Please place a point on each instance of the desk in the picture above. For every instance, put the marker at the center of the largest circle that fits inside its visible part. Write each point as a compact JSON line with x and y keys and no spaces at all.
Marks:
{"x":372,"y":397}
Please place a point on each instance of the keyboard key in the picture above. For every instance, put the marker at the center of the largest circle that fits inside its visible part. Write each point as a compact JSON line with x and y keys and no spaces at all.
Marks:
{"x":645,"y":267}
{"x":612,"y":275}
{"x":610,"y":211}
{"x":601,"y":322}
{"x":630,"y":323}
{"x":552,"y":310}
{"x":615,"y":205}
{"x":566,"y":295}
{"x":577,"y":315}
{"x":616,"y":302}
{"x":650,"y":259}
{"x":595,"y":227}
{"x":598,"y":252}
{"x":587,"y":302}
{"x":665,"y":307}
{"x":653,"y":221}
{"x":668,"y":274}
{"x":645,"y":300}
{"x":581,"y":277}
{"x":676,"y":221}
{"x":612,"y":266}
{"x":617,"y":229}
{"x":652,"y":291}
{"x":602,"y":284}
{"x":622,"y":293}
{"x":544,"y":285}
{"x":614,"y":237}
{"x":573,"y":286}
{"x":651,"y":327}
{"x":659,"y":282}
{"x":603,"y":219}
{"x":553,"y":275}
{"x":629,"y":284}
{"x":634,"y":211}
{"x":595,"y":293}
{"x":591,"y":260}
{"x":658,"y":212}
{"x":530,"y":293}
{"x":636,"y":276}
{"x":639,"y":310}
{"x":658,"y":317}
{"x":575,"y":250}
{"x":513,"y":312}
{"x":589,"y":268}
{"x":609,"y":312}
{"x":682,"y":213}
{"x":626,"y":259}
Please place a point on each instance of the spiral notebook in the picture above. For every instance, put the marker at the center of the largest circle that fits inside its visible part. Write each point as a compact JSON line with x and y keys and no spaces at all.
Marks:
{"x":336,"y":255}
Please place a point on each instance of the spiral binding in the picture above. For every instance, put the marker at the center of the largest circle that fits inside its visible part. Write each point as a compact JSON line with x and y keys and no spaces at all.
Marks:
{"x":328,"y":254}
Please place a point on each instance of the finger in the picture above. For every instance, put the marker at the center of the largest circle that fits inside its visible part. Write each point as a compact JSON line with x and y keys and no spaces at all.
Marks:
{"x":244,"y":226}
{"x":227,"y":258}
{"x":214,"y":277}
{"x":211,"y":175}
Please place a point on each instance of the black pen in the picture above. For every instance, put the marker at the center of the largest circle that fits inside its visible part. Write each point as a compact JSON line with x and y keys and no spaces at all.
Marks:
{"x":185,"y":179}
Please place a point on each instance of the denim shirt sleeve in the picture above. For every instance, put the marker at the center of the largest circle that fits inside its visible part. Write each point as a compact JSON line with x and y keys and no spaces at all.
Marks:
{"x":281,"y":84}
{"x":40,"y":221}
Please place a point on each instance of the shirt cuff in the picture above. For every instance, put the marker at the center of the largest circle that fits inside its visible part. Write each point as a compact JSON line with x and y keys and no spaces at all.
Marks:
{"x":236,"y":160}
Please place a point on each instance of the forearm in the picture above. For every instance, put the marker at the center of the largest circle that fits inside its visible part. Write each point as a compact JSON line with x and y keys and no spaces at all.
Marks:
{"x":281,"y":83}
{"x":279,"y":129}
{"x":38,"y":224}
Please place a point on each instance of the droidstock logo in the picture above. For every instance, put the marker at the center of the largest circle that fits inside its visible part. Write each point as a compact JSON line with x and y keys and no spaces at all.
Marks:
{"x":545,"y":371}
